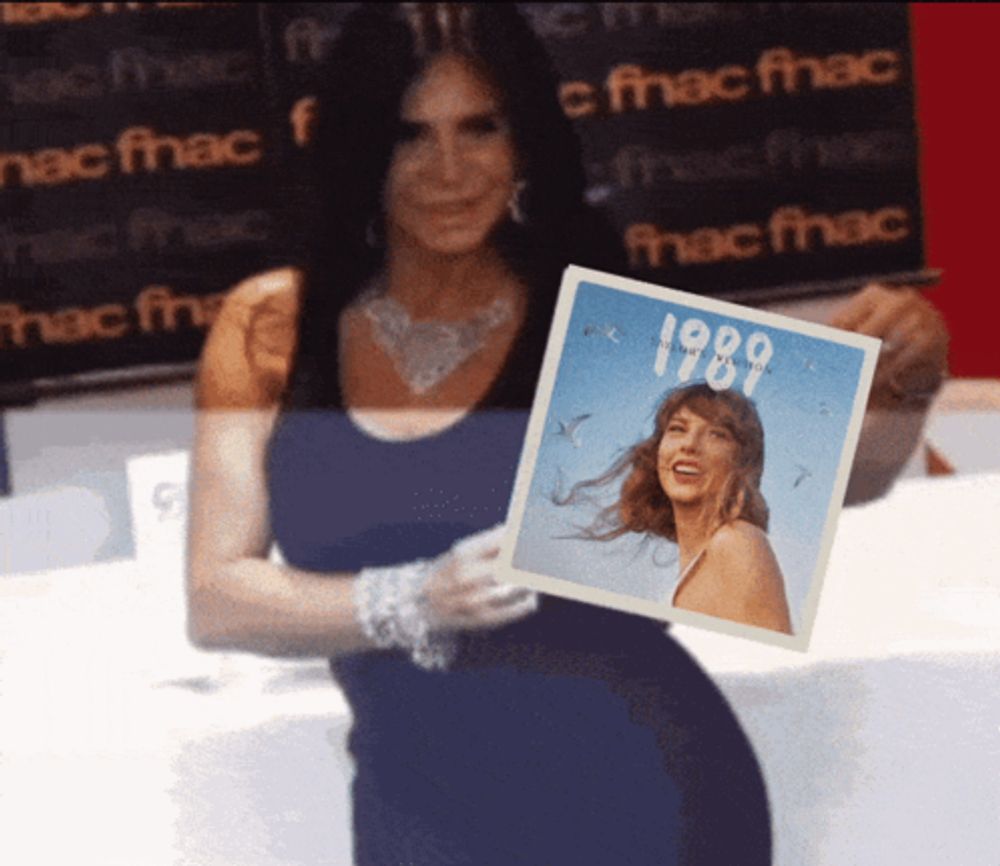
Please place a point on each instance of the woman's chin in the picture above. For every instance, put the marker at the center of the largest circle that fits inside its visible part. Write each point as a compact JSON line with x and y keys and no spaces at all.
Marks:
{"x":460,"y":247}
{"x":448,"y":236}
{"x":684,"y":496}
{"x":459,"y":243}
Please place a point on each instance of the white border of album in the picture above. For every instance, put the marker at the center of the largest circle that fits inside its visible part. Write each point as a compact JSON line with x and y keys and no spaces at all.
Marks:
{"x":572,"y":278}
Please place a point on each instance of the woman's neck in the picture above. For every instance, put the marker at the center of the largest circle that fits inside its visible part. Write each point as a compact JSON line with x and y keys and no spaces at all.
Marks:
{"x":695,"y":526}
{"x":434,"y":286}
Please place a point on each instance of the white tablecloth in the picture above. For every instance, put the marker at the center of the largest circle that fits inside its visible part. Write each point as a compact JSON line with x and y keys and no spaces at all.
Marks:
{"x":881,"y":745}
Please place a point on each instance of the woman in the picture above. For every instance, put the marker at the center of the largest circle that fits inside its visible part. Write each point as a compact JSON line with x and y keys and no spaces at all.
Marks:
{"x":696,"y":481}
{"x":450,"y":200}
{"x":452,"y":190}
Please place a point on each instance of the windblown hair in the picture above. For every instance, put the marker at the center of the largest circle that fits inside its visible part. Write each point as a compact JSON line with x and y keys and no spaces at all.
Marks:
{"x":642,"y":505}
{"x":381,"y":49}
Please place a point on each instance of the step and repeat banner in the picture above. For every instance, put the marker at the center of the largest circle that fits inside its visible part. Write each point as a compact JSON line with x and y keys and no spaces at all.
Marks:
{"x":146,"y":150}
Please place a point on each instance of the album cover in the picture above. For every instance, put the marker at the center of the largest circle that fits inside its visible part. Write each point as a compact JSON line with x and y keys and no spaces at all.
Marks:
{"x":687,"y":458}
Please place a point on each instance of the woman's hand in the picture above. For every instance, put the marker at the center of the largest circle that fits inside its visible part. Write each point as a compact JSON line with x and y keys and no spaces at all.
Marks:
{"x":914,"y":338}
{"x":463,"y":593}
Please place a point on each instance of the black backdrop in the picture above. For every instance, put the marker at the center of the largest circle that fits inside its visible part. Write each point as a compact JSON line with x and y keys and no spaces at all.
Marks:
{"x":742,"y":149}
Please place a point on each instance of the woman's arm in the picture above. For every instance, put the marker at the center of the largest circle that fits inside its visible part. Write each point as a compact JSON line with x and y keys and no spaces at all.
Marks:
{"x":910,"y":370}
{"x":237,"y":599}
{"x":740,"y":580}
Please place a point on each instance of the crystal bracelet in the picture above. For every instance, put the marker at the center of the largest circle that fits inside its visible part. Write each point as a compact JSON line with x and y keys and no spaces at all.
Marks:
{"x":390,"y":607}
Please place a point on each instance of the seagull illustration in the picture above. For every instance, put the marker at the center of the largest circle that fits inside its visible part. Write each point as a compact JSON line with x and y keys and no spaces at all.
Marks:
{"x":808,"y":363}
{"x":804,"y":473}
{"x":569,"y":428}
{"x":610,"y":331}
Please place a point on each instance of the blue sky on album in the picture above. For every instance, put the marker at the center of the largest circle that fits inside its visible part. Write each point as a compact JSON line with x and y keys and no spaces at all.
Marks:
{"x":805,"y":398}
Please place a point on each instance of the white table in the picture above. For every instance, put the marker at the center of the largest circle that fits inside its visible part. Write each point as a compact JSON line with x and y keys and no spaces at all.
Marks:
{"x":122,"y":745}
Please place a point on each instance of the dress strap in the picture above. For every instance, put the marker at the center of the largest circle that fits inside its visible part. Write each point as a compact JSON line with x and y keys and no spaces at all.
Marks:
{"x":690,"y":566}
{"x":687,"y":570}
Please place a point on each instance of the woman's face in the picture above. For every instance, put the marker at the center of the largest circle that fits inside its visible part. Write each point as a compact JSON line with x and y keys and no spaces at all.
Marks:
{"x":453,"y":171}
{"x":695,"y":457}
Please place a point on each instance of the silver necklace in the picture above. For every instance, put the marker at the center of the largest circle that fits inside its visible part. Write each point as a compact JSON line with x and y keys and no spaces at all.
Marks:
{"x":426,"y":353}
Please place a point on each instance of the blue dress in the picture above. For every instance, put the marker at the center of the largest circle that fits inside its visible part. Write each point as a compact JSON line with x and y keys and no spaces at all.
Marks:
{"x":578,"y":736}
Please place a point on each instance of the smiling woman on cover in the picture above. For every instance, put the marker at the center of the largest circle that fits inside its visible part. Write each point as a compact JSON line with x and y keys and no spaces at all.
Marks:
{"x":696,"y":481}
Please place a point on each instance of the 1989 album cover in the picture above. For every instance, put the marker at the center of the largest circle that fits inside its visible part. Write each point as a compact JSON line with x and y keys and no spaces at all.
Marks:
{"x":687,"y":458}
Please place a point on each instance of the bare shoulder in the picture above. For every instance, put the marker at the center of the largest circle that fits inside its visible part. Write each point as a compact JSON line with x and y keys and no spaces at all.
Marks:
{"x":738,"y":540}
{"x":277,"y":287}
{"x":248,"y":352}
{"x":744,"y":571}
{"x":261,"y":303}
{"x":742,"y":553}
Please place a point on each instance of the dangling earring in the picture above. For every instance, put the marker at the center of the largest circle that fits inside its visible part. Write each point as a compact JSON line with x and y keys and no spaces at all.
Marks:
{"x":515,"y":204}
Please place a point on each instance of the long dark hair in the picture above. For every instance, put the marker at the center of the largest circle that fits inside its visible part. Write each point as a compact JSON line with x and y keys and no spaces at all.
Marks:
{"x":380,"y":50}
{"x":643,"y":507}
